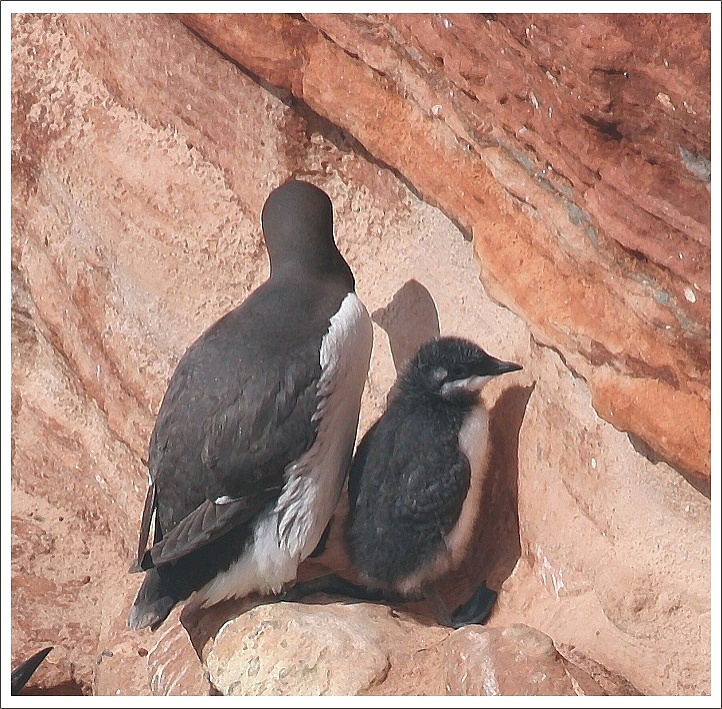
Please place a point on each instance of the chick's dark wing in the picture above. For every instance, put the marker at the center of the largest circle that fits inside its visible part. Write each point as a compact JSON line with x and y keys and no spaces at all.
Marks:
{"x":440,"y":485}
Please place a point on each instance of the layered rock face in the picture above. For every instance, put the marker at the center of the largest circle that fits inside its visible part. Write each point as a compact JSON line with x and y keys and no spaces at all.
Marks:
{"x":539,"y":184}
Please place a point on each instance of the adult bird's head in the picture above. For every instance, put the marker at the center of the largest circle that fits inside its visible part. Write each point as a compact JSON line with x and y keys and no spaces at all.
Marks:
{"x":451,"y":369}
{"x":297,"y":222}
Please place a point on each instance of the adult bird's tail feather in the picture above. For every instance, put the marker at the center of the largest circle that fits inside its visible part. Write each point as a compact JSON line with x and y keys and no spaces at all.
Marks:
{"x":152,"y":604}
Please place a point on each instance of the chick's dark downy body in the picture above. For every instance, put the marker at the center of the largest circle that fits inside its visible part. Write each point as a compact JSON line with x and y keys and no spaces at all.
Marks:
{"x":406,"y":489}
{"x":255,"y":433}
{"x":415,"y":482}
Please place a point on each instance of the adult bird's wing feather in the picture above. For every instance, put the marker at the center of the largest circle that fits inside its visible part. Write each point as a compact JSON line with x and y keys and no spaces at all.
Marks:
{"x":254,"y":435}
{"x":241,"y":478}
{"x":148,"y":510}
{"x":220,"y":446}
{"x":207,"y":522}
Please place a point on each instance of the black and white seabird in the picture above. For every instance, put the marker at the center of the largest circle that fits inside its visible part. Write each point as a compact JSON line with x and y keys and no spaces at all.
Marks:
{"x":255,"y":434}
{"x":416,"y":480}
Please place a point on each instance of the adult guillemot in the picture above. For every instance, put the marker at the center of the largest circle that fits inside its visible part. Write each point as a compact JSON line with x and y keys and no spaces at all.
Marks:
{"x":255,"y":434}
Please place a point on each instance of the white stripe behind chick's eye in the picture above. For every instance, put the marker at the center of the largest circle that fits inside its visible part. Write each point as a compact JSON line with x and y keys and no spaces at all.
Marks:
{"x":472,"y":384}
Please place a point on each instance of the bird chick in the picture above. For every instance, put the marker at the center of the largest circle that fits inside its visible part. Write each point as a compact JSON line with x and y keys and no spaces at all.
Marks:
{"x":416,"y":479}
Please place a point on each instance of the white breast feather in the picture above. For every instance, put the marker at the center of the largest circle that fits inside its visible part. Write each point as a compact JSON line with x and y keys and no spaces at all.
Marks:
{"x":474,"y":443}
{"x":315,"y":480}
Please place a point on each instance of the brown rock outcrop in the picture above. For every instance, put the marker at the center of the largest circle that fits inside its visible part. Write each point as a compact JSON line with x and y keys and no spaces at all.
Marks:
{"x":141,"y":159}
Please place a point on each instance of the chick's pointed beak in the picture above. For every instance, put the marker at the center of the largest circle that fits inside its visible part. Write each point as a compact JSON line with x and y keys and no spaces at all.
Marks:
{"x":501,"y":367}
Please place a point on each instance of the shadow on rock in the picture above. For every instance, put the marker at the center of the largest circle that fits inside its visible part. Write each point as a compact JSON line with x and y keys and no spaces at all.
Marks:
{"x":410,"y":319}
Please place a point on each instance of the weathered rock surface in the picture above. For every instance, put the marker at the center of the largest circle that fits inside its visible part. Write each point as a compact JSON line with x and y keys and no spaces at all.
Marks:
{"x":141,"y":159}
{"x":516,"y":660}
{"x":296,"y":652}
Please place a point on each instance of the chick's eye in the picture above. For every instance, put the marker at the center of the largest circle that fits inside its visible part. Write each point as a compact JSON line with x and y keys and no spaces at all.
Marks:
{"x":457,"y":373}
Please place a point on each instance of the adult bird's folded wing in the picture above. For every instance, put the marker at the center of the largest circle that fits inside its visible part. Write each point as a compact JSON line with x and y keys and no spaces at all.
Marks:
{"x":207,"y":522}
